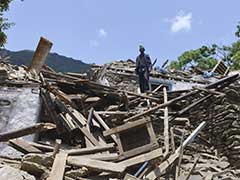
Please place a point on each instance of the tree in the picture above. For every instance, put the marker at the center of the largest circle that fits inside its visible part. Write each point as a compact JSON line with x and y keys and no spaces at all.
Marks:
{"x":237,"y":33}
{"x":203,"y":58}
{"x":4,"y":24}
{"x":206,"y":57}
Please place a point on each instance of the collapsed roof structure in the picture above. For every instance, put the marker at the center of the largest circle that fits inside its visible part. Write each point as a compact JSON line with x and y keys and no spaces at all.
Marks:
{"x":99,"y":126}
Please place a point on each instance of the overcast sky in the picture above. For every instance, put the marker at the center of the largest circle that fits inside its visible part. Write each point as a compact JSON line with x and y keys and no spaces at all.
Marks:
{"x":105,"y":30}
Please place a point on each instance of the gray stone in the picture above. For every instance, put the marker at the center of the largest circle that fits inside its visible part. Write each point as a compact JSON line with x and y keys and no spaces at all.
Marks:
{"x":9,"y":173}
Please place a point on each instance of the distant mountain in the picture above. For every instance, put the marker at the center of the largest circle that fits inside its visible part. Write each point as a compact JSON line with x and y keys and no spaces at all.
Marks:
{"x":54,"y":60}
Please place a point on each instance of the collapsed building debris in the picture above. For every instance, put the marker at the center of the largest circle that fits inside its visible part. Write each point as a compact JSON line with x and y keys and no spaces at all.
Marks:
{"x":100,"y":127}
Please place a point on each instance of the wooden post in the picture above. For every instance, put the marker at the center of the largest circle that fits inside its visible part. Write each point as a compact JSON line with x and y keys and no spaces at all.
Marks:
{"x":40,"y":55}
{"x":166,"y":128}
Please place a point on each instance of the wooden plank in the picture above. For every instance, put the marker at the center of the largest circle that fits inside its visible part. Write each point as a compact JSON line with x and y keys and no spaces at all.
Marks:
{"x":90,"y":150}
{"x":157,"y":88}
{"x":79,"y":116}
{"x":80,"y":120}
{"x":165,"y":164}
{"x":59,"y":76}
{"x":130,"y":177}
{"x":77,"y":75}
{"x":58,"y":168}
{"x":67,"y":122}
{"x":137,"y":151}
{"x":49,"y":106}
{"x":104,"y":125}
{"x":39,"y":127}
{"x":151,"y":133}
{"x":45,"y":148}
{"x":125,"y":127}
{"x":96,"y":165}
{"x":142,"y":158}
{"x":102,"y":157}
{"x":23,"y":146}
{"x":222,"y":81}
{"x":61,"y":95}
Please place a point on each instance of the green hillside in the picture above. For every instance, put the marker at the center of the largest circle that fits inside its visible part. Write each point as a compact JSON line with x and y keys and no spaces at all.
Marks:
{"x":54,"y":60}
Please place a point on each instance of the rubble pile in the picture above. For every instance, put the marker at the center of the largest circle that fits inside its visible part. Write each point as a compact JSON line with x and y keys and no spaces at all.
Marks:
{"x":101,"y":127}
{"x":223,"y":117}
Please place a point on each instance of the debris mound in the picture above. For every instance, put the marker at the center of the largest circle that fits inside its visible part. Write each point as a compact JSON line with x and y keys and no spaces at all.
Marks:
{"x":100,"y":127}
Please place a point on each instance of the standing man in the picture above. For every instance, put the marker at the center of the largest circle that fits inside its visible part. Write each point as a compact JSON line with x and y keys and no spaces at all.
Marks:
{"x":143,"y":68}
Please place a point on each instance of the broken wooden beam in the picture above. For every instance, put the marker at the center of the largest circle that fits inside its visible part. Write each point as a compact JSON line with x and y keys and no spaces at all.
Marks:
{"x":37,"y":128}
{"x":43,"y":147}
{"x":40,"y":55}
{"x":23,"y":146}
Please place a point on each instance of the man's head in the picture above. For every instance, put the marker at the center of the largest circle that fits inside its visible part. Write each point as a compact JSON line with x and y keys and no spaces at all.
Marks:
{"x":141,"y":49}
